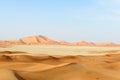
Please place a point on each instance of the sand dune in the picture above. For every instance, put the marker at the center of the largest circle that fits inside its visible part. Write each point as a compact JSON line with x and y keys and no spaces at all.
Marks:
{"x":42,"y":40}
{"x":7,"y":75}
{"x":49,"y":67}
{"x":68,"y":72}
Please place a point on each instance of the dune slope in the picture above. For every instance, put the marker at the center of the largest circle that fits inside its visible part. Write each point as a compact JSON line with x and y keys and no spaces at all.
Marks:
{"x":24,"y":66}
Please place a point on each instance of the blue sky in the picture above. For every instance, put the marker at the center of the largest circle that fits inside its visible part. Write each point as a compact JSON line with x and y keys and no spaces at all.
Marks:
{"x":70,"y":20}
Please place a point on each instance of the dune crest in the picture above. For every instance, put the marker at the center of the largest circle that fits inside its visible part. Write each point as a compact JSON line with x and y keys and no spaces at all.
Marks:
{"x":24,"y":66}
{"x":42,"y":40}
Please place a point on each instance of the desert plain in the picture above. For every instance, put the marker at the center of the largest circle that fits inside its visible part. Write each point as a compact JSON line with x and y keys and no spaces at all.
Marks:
{"x":58,"y":62}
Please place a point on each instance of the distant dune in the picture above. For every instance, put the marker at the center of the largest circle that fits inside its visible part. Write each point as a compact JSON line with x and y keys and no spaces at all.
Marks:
{"x":42,"y":40}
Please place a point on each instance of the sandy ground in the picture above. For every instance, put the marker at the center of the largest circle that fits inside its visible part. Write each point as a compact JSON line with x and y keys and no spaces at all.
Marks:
{"x":19,"y":64}
{"x":62,"y":50}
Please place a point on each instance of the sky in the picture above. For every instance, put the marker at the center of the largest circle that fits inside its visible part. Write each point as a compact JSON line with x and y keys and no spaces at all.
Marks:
{"x":70,"y":20}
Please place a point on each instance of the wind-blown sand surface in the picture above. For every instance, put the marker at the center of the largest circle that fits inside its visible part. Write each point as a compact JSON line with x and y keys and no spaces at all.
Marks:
{"x":76,"y":63}
{"x":62,"y":50}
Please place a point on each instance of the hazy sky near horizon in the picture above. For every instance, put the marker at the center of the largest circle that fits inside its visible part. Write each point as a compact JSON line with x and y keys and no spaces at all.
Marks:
{"x":70,"y":20}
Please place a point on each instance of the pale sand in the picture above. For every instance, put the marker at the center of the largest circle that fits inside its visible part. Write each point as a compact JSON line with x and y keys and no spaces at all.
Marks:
{"x":62,"y":50}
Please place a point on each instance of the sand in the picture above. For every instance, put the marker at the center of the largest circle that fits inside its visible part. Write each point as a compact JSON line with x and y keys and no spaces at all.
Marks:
{"x":22,"y":65}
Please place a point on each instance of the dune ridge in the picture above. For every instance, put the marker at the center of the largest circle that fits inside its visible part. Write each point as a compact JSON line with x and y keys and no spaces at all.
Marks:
{"x":49,"y":67}
{"x":42,"y":40}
